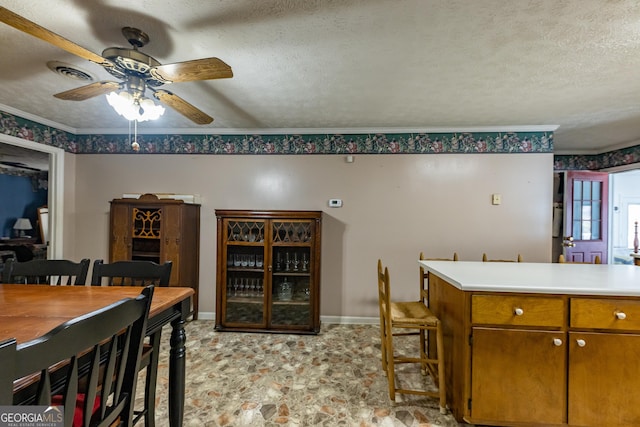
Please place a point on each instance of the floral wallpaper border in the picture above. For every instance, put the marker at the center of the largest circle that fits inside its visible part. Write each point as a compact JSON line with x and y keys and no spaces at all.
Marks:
{"x":360,"y":143}
{"x":36,"y":132}
{"x":622,"y":157}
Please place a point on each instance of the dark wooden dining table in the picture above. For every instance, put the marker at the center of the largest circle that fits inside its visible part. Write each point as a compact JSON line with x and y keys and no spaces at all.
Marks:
{"x":30,"y":311}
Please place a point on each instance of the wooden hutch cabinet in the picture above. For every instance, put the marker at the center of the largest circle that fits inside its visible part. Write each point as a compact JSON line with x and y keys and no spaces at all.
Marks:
{"x":158,"y":230}
{"x":268,"y":271}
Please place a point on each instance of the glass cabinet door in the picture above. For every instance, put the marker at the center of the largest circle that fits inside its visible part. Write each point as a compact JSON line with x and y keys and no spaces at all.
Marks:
{"x":291,"y":279}
{"x":145,"y":235}
{"x":244,"y":297}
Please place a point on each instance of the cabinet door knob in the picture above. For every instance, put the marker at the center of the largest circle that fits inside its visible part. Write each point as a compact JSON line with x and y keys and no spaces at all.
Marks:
{"x":581,"y":343}
{"x":620,"y":315}
{"x":557,"y":342}
{"x":518,"y":311}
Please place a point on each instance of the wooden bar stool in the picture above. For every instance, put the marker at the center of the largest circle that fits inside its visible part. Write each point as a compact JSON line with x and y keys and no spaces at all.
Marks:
{"x":413,"y":318}
{"x":562,"y":260}
{"x":424,"y":276}
{"x":424,"y":296}
{"x":486,"y":259}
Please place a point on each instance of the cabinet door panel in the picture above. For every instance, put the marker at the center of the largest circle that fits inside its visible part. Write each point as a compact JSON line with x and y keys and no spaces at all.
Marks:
{"x":120,"y":247}
{"x":604,"y":376}
{"x":518,"y":375}
{"x":243,"y":273}
{"x":292,"y":275}
{"x":171,"y":241}
{"x":291,"y":315}
{"x":243,"y":313}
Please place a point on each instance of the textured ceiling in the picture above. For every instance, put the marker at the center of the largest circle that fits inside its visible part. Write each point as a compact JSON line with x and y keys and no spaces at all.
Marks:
{"x":21,"y":159}
{"x":348,"y":64}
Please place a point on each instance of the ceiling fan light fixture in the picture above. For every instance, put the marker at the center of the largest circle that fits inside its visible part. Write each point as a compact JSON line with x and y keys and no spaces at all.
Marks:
{"x":134,"y":108}
{"x":137,"y":70}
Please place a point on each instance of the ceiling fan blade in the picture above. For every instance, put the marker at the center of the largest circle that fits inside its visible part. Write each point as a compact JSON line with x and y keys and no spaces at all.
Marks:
{"x":183,"y":107}
{"x":26,"y":26}
{"x":89,"y":91}
{"x":197,"y":69}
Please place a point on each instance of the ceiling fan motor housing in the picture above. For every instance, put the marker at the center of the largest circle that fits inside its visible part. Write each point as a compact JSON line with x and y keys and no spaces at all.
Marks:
{"x":137,"y":38}
{"x":132,"y":62}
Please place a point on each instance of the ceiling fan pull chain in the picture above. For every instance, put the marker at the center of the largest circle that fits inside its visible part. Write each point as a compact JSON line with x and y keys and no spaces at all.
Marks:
{"x":135,"y":145}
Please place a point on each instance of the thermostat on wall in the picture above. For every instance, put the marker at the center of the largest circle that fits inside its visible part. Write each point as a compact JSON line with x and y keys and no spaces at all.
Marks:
{"x":335,"y":203}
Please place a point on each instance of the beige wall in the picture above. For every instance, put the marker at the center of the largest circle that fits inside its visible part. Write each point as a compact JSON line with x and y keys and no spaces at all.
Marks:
{"x":69,"y":207}
{"x":394,"y":207}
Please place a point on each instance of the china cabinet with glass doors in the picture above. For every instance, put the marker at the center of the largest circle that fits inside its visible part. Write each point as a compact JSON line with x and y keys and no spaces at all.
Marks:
{"x":268,"y":271}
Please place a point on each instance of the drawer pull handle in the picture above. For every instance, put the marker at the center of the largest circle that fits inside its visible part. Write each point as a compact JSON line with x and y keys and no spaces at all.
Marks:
{"x":581,"y":343}
{"x":620,"y":315}
{"x":518,"y":311}
{"x":557,"y":342}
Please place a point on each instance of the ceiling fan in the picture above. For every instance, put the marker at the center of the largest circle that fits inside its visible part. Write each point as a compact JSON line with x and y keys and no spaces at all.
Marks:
{"x":136,"y":70}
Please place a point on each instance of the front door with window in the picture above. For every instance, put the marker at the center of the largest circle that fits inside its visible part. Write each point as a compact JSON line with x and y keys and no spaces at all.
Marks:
{"x":586,"y":213}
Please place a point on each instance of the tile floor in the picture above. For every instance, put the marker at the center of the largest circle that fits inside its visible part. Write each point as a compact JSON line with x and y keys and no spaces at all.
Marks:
{"x":330,"y":379}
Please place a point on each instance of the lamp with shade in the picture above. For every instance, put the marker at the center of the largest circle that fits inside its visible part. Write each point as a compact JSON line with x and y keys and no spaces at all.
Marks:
{"x":21,"y":225}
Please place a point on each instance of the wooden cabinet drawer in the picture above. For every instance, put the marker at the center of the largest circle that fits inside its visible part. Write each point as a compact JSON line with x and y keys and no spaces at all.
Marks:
{"x":517,"y":310}
{"x":603,"y":313}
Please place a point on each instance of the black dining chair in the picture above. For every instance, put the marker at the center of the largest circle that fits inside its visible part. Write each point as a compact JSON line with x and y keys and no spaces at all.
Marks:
{"x":88,"y":364}
{"x":138,"y":273}
{"x":7,"y":360}
{"x":46,"y":272}
{"x":130,"y":273}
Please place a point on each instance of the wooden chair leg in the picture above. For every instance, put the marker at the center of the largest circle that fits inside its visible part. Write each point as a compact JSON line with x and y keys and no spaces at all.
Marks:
{"x":383,"y":345}
{"x":424,"y":336}
{"x":441,"y":375}
{"x":151,"y":381}
{"x":390,"y":363}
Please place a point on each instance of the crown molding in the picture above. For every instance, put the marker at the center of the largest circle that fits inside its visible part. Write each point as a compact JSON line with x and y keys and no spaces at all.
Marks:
{"x":313,"y":131}
{"x":37,"y":119}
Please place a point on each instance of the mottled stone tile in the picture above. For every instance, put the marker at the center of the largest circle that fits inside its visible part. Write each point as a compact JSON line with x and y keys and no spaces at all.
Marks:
{"x":334,"y":378}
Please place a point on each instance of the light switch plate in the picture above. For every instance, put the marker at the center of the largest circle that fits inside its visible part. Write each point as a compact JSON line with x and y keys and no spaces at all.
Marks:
{"x":496,"y":199}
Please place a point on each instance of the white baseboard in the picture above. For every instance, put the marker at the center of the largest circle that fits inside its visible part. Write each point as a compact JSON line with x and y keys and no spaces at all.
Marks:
{"x":350,"y":320}
{"x":339,"y":320}
{"x":206,"y":315}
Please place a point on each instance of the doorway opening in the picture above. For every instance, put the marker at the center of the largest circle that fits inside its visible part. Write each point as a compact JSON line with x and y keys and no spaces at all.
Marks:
{"x":625,"y":213}
{"x":56,"y":190}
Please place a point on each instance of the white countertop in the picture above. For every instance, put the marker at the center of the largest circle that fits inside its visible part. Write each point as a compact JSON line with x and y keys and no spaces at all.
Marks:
{"x":552,"y":278}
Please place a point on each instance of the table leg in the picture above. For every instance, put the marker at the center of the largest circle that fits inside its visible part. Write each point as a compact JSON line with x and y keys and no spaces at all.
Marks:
{"x":177,"y":373}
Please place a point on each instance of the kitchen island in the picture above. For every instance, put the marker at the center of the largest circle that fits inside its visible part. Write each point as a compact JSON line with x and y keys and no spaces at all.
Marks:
{"x":539,"y":344}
